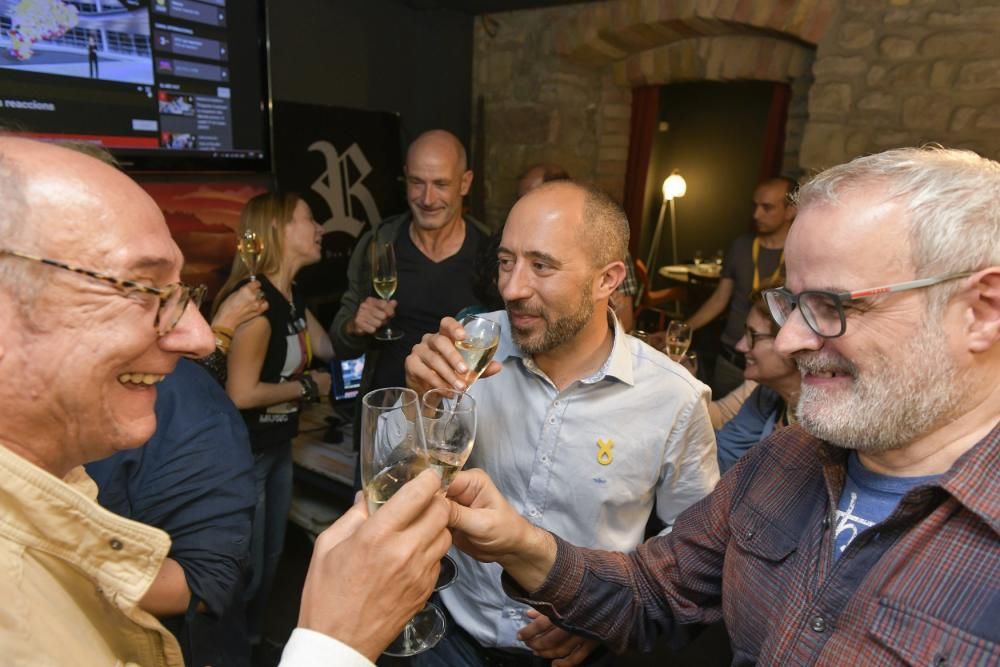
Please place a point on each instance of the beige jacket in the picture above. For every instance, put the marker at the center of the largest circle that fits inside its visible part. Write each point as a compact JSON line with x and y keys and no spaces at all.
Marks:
{"x":72,"y":574}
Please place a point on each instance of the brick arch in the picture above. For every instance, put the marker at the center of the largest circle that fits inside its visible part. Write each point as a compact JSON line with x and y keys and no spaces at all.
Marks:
{"x":608,"y":32}
{"x":656,"y":42}
{"x":717,"y":58}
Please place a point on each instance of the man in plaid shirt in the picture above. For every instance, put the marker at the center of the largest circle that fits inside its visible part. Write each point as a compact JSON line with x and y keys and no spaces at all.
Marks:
{"x":868,"y":533}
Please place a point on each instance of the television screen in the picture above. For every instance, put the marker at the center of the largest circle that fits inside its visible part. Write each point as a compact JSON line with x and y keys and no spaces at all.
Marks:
{"x":163,"y":84}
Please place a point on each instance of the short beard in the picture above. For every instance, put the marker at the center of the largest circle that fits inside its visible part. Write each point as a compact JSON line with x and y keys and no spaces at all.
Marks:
{"x":556,"y":332}
{"x":890,"y":405}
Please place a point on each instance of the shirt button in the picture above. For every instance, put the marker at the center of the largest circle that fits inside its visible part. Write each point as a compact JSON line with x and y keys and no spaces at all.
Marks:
{"x":533,"y":512}
{"x":557,"y":403}
{"x":749,"y":534}
{"x":552,"y":420}
{"x":116,"y":544}
{"x":818,"y":624}
{"x":545,"y":459}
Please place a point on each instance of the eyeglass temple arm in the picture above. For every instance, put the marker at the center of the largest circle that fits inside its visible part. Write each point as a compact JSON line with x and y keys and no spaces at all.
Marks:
{"x":900,"y":287}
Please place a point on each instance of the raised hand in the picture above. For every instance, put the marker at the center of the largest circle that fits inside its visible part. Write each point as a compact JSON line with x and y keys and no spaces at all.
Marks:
{"x":371,"y":316}
{"x":369,"y":575}
{"x":434,"y":362}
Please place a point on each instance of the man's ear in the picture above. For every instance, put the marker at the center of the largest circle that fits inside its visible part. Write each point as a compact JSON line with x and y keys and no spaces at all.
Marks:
{"x":609,"y":279}
{"x":982,"y":318}
{"x":466,"y":182}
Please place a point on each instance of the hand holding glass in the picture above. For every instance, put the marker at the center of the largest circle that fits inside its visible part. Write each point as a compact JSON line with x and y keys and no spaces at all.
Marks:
{"x":250,"y":248}
{"x":449,"y":420}
{"x":678,"y":339}
{"x":393,"y":453}
{"x":383,"y":263}
{"x":479,"y":345}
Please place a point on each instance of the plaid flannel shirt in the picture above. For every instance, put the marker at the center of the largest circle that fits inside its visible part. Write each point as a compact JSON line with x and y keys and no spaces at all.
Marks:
{"x":920,"y":588}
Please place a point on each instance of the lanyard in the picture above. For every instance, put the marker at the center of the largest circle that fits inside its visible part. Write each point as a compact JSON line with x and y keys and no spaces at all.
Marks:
{"x":756,"y":275}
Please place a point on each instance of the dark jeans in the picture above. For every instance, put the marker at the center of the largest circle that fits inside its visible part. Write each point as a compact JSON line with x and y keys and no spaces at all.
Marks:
{"x":459,"y":649}
{"x":273,"y":479}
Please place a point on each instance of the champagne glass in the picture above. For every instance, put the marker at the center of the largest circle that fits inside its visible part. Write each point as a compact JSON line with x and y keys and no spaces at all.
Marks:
{"x":383,"y":262}
{"x":250,"y":248}
{"x":678,"y":339}
{"x":393,"y":453}
{"x":720,"y":255}
{"x":699,"y":258}
{"x":479,"y":345}
{"x":449,"y":422}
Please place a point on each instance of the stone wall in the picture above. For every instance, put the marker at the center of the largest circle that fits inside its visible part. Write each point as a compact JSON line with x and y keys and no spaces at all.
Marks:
{"x":905,"y":73}
{"x":556,"y":83}
{"x":539,"y":106}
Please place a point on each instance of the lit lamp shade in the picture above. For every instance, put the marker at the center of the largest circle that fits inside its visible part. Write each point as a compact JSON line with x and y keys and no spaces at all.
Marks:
{"x":674,"y":186}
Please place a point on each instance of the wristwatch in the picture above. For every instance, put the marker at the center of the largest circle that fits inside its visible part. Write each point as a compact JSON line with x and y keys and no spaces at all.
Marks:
{"x":309,"y":392}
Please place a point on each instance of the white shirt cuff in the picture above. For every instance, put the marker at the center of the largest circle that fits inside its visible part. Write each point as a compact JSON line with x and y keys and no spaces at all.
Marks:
{"x":308,"y":648}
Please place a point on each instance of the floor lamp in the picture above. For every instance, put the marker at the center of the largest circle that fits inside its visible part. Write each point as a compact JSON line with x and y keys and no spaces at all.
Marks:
{"x":673,"y":186}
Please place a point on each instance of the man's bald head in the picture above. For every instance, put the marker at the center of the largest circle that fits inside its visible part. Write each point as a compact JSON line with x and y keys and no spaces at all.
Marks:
{"x":60,"y":202}
{"x":604,"y":230}
{"x":537,"y":174}
{"x":441,"y":143}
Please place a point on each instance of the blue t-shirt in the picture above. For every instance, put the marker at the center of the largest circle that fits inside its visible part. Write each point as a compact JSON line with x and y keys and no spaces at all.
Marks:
{"x":868,"y":498}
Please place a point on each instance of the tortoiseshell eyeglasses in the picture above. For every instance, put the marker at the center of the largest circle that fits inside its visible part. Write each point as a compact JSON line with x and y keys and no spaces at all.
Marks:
{"x":173,"y":298}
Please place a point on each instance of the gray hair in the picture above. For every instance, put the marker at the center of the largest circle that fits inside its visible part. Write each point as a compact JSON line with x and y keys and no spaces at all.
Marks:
{"x":951,"y":198}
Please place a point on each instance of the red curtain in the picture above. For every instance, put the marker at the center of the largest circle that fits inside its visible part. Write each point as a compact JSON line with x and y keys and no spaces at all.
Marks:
{"x":774,"y":134}
{"x":645,"y":118}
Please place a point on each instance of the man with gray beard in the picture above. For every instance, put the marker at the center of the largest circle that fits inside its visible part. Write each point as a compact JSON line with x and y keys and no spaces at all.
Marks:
{"x":867,"y":534}
{"x":584,"y":426}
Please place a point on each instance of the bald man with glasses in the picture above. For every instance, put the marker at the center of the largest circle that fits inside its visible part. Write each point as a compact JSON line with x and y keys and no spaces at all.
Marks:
{"x":867,"y":533}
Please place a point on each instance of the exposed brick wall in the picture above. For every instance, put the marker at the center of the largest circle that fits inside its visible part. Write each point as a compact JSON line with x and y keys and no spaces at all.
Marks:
{"x":865,"y":75}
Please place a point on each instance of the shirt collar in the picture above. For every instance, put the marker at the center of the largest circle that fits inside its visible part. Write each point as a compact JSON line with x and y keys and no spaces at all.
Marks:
{"x":618,"y":365}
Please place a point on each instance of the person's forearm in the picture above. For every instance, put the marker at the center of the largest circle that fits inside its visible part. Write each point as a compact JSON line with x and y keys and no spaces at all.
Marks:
{"x":531,"y":563}
{"x":169,"y":594}
{"x":262,"y":394}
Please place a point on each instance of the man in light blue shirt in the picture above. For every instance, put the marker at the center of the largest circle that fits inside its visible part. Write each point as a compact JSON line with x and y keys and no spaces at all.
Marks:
{"x":580,"y":426}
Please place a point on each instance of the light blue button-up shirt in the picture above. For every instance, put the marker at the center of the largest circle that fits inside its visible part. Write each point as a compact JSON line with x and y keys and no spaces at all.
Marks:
{"x":585,"y":463}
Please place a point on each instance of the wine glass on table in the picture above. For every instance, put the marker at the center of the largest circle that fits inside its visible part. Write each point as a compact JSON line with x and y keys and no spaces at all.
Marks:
{"x":678,"y":339}
{"x":384,"y":281}
{"x":449,"y":421}
{"x":250,"y":248}
{"x":392,"y":453}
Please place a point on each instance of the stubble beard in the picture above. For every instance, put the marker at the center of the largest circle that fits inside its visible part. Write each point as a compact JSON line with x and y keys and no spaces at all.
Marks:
{"x":554,"y":332}
{"x":888,"y":406}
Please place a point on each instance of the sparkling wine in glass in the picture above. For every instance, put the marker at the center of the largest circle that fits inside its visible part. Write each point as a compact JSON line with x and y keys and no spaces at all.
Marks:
{"x":449,"y":421}
{"x":384,"y":281}
{"x":678,"y":339}
{"x":250,"y":248}
{"x":392,"y":453}
{"x":479,"y":345}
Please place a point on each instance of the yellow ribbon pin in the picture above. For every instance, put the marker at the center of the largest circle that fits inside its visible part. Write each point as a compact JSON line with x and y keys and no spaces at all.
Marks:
{"x":604,"y":454}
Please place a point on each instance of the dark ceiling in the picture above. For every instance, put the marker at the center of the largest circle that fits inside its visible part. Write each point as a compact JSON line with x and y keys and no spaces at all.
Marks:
{"x":486,"y":6}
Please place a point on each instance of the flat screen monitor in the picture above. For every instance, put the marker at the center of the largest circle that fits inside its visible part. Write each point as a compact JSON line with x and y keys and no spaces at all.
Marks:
{"x":163,"y":84}
{"x":346,"y":376}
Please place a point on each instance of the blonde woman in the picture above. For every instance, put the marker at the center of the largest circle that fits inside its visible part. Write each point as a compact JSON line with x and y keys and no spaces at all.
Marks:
{"x":268,"y":376}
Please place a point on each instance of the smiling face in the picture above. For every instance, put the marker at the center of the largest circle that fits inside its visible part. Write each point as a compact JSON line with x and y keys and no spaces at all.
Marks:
{"x":547,"y":277}
{"x":891,"y":377}
{"x":763,"y":363}
{"x":86,"y":355}
{"x":436,"y":180}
